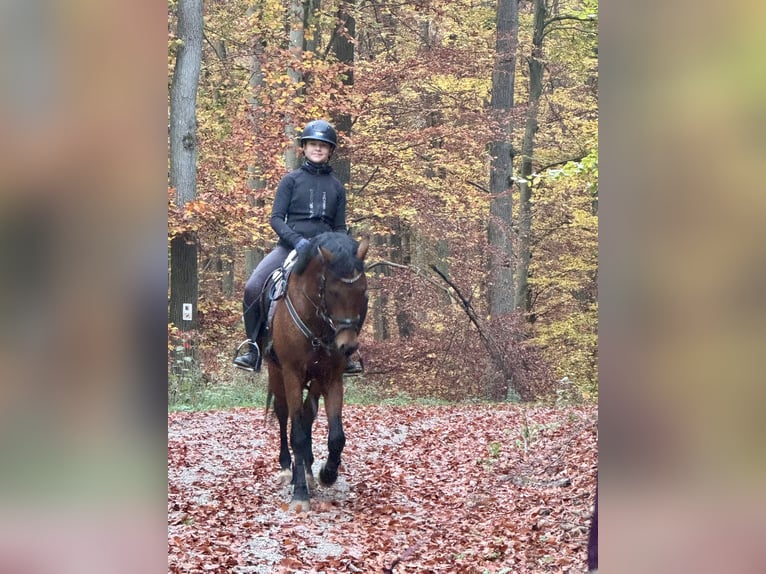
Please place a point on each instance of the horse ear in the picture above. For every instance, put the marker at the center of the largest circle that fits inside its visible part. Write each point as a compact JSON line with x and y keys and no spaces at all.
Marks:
{"x":362,"y":251}
{"x":326,"y":254}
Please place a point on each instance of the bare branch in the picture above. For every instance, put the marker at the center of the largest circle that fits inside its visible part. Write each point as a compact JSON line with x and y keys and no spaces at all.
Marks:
{"x":366,"y":183}
{"x":478,"y":186}
{"x":490,"y":344}
{"x":562,"y":161}
{"x":412,"y":269}
{"x":589,"y":18}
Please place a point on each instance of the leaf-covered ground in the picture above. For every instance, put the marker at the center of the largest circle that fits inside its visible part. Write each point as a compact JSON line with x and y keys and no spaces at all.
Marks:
{"x":422,"y":489}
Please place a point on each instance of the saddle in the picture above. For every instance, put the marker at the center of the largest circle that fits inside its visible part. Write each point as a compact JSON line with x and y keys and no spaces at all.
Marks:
{"x":276,"y":286}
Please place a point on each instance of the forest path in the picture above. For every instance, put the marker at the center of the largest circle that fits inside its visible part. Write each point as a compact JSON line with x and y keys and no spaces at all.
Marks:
{"x":465,"y":488}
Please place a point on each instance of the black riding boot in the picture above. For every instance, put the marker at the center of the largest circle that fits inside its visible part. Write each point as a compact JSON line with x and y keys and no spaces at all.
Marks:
{"x":353,"y":367}
{"x":251,"y":360}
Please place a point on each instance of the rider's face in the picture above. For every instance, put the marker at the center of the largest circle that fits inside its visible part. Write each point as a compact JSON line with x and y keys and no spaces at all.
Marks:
{"x":316,"y":151}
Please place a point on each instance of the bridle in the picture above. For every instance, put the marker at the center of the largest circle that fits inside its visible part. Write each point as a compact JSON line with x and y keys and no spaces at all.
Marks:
{"x":337,"y":324}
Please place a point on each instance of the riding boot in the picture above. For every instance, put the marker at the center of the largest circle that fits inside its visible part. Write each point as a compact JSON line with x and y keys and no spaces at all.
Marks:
{"x":353,"y":367}
{"x":251,"y":360}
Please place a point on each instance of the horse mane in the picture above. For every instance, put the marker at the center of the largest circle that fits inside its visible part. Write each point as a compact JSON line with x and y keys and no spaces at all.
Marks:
{"x":343,"y":248}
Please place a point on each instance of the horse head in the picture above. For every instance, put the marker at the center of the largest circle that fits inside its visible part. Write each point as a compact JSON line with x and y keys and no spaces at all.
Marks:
{"x":344,"y":294}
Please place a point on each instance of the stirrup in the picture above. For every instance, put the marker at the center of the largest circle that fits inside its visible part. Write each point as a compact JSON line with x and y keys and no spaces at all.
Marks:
{"x":242,"y":344}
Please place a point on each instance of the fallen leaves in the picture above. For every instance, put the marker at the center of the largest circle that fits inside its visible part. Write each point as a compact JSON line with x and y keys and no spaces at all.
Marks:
{"x":423,"y":489}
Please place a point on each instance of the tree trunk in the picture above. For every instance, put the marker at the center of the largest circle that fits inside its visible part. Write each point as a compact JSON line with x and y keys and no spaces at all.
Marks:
{"x":183,"y":102}
{"x":184,"y":281}
{"x":184,"y":277}
{"x":296,"y":14}
{"x":255,"y":83}
{"x":311,"y":23}
{"x":404,"y":242}
{"x":255,"y":182}
{"x":224,"y":268}
{"x":499,"y":233}
{"x":343,"y":48}
{"x":379,"y":302}
{"x":522,"y":298}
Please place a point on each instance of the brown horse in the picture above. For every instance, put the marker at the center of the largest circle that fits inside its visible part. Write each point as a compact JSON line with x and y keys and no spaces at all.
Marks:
{"x":315,"y":328}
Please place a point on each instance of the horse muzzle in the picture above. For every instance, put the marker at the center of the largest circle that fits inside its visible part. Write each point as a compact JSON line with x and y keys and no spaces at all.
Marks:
{"x":346,"y":335}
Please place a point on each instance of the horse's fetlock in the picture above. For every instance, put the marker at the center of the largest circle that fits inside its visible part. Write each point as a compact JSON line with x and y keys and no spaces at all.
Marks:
{"x":336,"y":443}
{"x":285,"y":476}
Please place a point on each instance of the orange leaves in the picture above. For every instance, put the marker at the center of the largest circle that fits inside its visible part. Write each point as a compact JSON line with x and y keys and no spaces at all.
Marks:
{"x":414,"y":493}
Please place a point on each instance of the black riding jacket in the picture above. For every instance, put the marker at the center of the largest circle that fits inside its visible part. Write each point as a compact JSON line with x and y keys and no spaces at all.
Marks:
{"x":309,"y":201}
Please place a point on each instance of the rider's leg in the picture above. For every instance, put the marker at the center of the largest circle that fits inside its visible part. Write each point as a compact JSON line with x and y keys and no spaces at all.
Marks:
{"x":252,"y":314}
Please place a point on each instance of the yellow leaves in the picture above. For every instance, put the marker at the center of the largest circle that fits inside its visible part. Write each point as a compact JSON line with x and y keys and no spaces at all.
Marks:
{"x":196,"y":207}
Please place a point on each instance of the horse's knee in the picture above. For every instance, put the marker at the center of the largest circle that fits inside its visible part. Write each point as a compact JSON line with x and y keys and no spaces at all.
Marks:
{"x":299,"y":443}
{"x":300,"y":437}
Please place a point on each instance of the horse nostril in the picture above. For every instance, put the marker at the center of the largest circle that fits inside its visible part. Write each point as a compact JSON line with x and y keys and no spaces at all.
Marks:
{"x":349,"y":350}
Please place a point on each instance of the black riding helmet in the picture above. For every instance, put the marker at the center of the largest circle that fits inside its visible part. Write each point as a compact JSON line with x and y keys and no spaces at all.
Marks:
{"x":319,"y":130}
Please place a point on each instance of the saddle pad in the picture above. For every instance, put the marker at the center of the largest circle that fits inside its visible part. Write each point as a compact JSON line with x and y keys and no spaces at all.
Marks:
{"x":278,"y":282}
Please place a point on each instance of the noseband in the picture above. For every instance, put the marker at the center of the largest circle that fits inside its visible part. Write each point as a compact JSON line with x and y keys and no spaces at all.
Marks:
{"x":337,"y":324}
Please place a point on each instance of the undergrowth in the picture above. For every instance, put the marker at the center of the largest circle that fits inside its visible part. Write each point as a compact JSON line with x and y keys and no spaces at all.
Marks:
{"x":196,"y":392}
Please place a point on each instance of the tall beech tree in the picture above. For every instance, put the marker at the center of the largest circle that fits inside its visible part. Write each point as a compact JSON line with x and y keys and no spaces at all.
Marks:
{"x":542,"y":27}
{"x":521,"y":299}
{"x":184,"y":280}
{"x":501,"y":259}
{"x":343,"y":40}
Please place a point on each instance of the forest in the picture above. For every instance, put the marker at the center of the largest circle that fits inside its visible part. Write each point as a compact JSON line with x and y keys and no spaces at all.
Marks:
{"x":468,"y":145}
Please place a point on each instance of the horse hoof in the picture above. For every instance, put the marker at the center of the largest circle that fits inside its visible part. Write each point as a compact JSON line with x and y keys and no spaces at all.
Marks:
{"x":311,"y":481}
{"x":285,"y":476}
{"x":299,"y":506}
{"x":326,"y":477}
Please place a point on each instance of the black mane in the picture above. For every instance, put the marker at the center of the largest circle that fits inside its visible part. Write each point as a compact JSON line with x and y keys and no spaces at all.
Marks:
{"x":343,"y":248}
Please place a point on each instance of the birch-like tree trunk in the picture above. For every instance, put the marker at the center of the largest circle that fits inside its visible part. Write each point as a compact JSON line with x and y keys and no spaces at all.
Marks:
{"x":184,"y":278}
{"x":499,"y":233}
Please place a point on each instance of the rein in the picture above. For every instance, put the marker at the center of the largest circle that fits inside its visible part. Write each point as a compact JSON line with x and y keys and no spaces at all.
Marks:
{"x":337,"y":325}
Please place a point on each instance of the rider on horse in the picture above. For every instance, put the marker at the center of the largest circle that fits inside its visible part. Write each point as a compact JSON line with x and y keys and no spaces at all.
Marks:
{"x":309,"y":200}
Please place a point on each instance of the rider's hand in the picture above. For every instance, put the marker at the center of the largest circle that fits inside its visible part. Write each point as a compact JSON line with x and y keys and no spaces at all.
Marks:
{"x":302,"y":246}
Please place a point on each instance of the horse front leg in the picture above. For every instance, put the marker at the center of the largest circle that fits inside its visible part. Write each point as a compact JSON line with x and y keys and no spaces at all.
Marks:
{"x":336,"y":439}
{"x":310,"y":406}
{"x":300,"y":441}
{"x":276,"y":387}
{"x":285,"y":459}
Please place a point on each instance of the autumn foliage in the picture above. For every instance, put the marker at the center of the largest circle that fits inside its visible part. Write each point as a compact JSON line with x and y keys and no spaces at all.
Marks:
{"x":422,"y":489}
{"x":418,"y":151}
